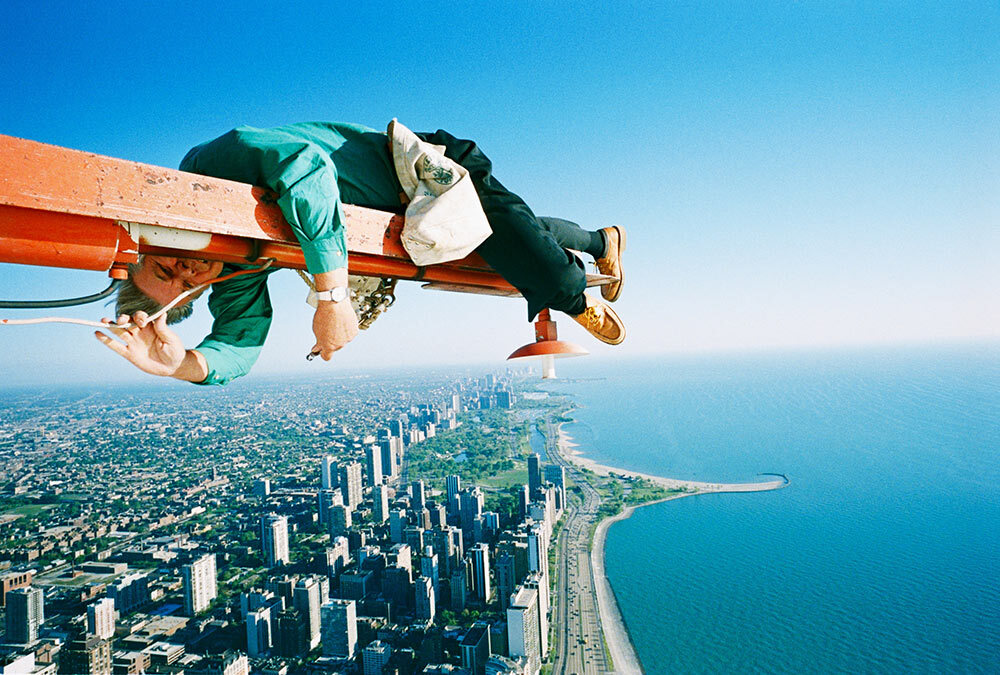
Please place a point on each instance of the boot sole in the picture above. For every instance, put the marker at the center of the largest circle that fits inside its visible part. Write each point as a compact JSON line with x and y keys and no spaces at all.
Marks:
{"x":621,"y":268}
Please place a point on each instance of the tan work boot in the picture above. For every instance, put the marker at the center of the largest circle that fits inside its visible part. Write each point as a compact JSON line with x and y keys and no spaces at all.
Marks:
{"x":602,"y":322}
{"x":611,"y":262}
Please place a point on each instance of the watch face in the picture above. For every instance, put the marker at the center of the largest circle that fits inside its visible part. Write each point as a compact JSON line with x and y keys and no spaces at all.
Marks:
{"x":338,"y":294}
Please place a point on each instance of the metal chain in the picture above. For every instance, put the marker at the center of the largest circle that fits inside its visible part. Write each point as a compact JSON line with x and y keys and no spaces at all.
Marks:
{"x":378,"y":301}
{"x":368,"y":305}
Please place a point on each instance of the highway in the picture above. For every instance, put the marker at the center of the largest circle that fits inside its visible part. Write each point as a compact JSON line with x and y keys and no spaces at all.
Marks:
{"x":579,"y":642}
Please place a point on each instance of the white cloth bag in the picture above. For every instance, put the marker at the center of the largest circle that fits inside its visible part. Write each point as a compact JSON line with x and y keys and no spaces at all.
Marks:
{"x":444,"y":219}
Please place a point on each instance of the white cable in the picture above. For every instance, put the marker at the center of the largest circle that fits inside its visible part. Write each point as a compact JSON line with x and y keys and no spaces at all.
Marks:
{"x":123,"y":326}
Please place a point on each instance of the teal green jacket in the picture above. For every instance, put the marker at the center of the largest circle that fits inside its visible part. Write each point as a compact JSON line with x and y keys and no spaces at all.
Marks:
{"x":314,"y":167}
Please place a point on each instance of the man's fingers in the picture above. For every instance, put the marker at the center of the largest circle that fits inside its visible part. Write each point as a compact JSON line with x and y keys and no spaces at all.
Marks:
{"x":140,"y":318}
{"x":113,"y":345}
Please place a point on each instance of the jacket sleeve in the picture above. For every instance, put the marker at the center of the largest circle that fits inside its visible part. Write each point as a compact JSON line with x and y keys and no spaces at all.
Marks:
{"x":242,"y":311}
{"x":302,"y":174}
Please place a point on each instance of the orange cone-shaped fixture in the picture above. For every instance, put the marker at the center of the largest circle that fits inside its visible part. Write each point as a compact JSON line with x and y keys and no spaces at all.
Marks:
{"x":547,"y":346}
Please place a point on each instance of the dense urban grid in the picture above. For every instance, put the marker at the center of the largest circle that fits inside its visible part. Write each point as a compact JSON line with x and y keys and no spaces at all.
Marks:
{"x":369,"y":525}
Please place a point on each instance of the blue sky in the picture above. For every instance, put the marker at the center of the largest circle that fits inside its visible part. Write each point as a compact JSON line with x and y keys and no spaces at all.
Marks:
{"x":791,"y":174}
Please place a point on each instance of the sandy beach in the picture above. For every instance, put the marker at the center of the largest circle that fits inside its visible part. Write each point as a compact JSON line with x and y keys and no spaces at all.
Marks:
{"x":616,"y":635}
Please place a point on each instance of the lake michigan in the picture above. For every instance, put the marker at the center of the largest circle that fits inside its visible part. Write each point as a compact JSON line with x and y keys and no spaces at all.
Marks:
{"x":883,"y":555}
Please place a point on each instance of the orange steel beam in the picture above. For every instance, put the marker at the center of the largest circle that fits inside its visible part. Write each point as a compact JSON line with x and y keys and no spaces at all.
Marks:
{"x":67,"y":208}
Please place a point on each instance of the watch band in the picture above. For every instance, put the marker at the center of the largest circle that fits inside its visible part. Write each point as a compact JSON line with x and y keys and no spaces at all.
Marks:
{"x":338,"y":294}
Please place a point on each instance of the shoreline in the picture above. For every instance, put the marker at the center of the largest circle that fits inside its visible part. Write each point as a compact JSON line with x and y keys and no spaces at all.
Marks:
{"x":624,"y":655}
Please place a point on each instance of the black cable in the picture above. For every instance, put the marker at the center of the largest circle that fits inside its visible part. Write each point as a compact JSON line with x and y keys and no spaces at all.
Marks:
{"x":70,"y":302}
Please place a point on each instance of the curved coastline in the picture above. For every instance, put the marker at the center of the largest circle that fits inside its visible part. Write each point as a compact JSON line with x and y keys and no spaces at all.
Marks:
{"x":616,"y":635}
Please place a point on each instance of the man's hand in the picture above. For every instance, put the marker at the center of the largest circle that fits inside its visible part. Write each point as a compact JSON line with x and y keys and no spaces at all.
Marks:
{"x":334,"y":325}
{"x":149,"y":346}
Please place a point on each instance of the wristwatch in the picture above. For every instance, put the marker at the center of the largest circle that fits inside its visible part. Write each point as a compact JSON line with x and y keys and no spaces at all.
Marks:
{"x":338,"y":294}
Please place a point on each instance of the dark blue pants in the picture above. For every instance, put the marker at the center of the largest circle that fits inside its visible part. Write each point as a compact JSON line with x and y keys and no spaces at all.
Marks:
{"x":527,"y":251}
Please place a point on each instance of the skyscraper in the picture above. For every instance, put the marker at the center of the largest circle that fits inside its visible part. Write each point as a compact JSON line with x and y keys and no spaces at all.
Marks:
{"x":506,"y":579}
{"x":539,"y":583}
{"x":472,"y":506}
{"x":556,"y":474}
{"x":380,"y":498}
{"x":340,"y":520}
{"x":397,"y":523}
{"x":339,"y":628}
{"x":306,"y":599}
{"x":480,"y":554}
{"x":350,"y":484}
{"x":376,"y":657}
{"x":199,"y":580}
{"x":337,"y":556}
{"x":101,"y":618}
{"x":522,"y":628}
{"x":417,"y":493}
{"x":274,"y":539}
{"x":25,"y":614}
{"x":424,"y":599}
{"x":534,"y":474}
{"x":85,"y":655}
{"x":327,"y":477}
{"x":327,"y":499}
{"x":476,"y":648}
{"x":373,"y":465}
{"x":429,"y":568}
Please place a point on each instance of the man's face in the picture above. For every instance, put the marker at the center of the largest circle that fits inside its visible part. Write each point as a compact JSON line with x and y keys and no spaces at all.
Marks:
{"x":163,"y":278}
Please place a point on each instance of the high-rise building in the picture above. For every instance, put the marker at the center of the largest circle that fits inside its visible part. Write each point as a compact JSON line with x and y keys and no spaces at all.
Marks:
{"x":472,"y":506}
{"x":380,"y":499}
{"x":438,"y":515}
{"x":417,"y":496}
{"x":350,"y":484}
{"x":262,"y":487}
{"x":397,"y":523}
{"x":414,"y":538}
{"x":339,"y":628}
{"x":199,"y":580}
{"x":390,"y":467}
{"x":376,"y":657}
{"x":522,"y":628}
{"x":260,"y":611}
{"x":534,"y":474}
{"x":373,"y":465}
{"x":476,"y":648}
{"x":274,"y":538}
{"x":228,"y":663}
{"x":522,"y":502}
{"x":101,"y":618}
{"x":306,"y":599}
{"x":327,"y":499}
{"x":429,"y":568}
{"x":539,"y":582}
{"x":337,"y":556}
{"x":480,"y":554}
{"x":327,"y":475}
{"x":507,"y":580}
{"x":424,"y":599}
{"x":340,"y":520}
{"x":293,"y":633}
{"x":556,"y":474}
{"x":453,"y":485}
{"x":402,"y":555}
{"x":537,"y":548}
{"x":85,"y":655}
{"x":459,"y":585}
{"x":25,"y":614}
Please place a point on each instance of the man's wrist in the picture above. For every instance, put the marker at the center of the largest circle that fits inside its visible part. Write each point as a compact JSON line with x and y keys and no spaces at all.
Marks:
{"x":194,"y":367}
{"x":326,"y":281}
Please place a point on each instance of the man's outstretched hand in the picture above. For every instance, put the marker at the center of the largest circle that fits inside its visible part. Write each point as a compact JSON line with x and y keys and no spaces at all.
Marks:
{"x":148,"y":345}
{"x":334,"y":325}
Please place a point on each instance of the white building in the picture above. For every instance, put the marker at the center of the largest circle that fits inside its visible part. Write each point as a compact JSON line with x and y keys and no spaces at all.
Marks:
{"x":306,"y":598}
{"x":523,"y":638}
{"x":25,"y":614}
{"x":424,"y":596}
{"x":199,"y":584}
{"x":350,"y":484}
{"x":274,"y":538}
{"x":101,"y":618}
{"x":326,"y":474}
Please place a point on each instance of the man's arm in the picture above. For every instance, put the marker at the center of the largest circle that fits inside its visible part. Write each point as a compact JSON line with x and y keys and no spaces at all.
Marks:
{"x":305,"y":179}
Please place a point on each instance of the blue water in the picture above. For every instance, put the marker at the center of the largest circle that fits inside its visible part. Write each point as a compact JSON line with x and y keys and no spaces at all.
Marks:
{"x":882,"y":556}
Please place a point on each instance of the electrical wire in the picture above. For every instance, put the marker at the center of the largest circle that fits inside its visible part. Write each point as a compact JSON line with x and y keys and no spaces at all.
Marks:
{"x":69,"y":302}
{"x":152,"y":318}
